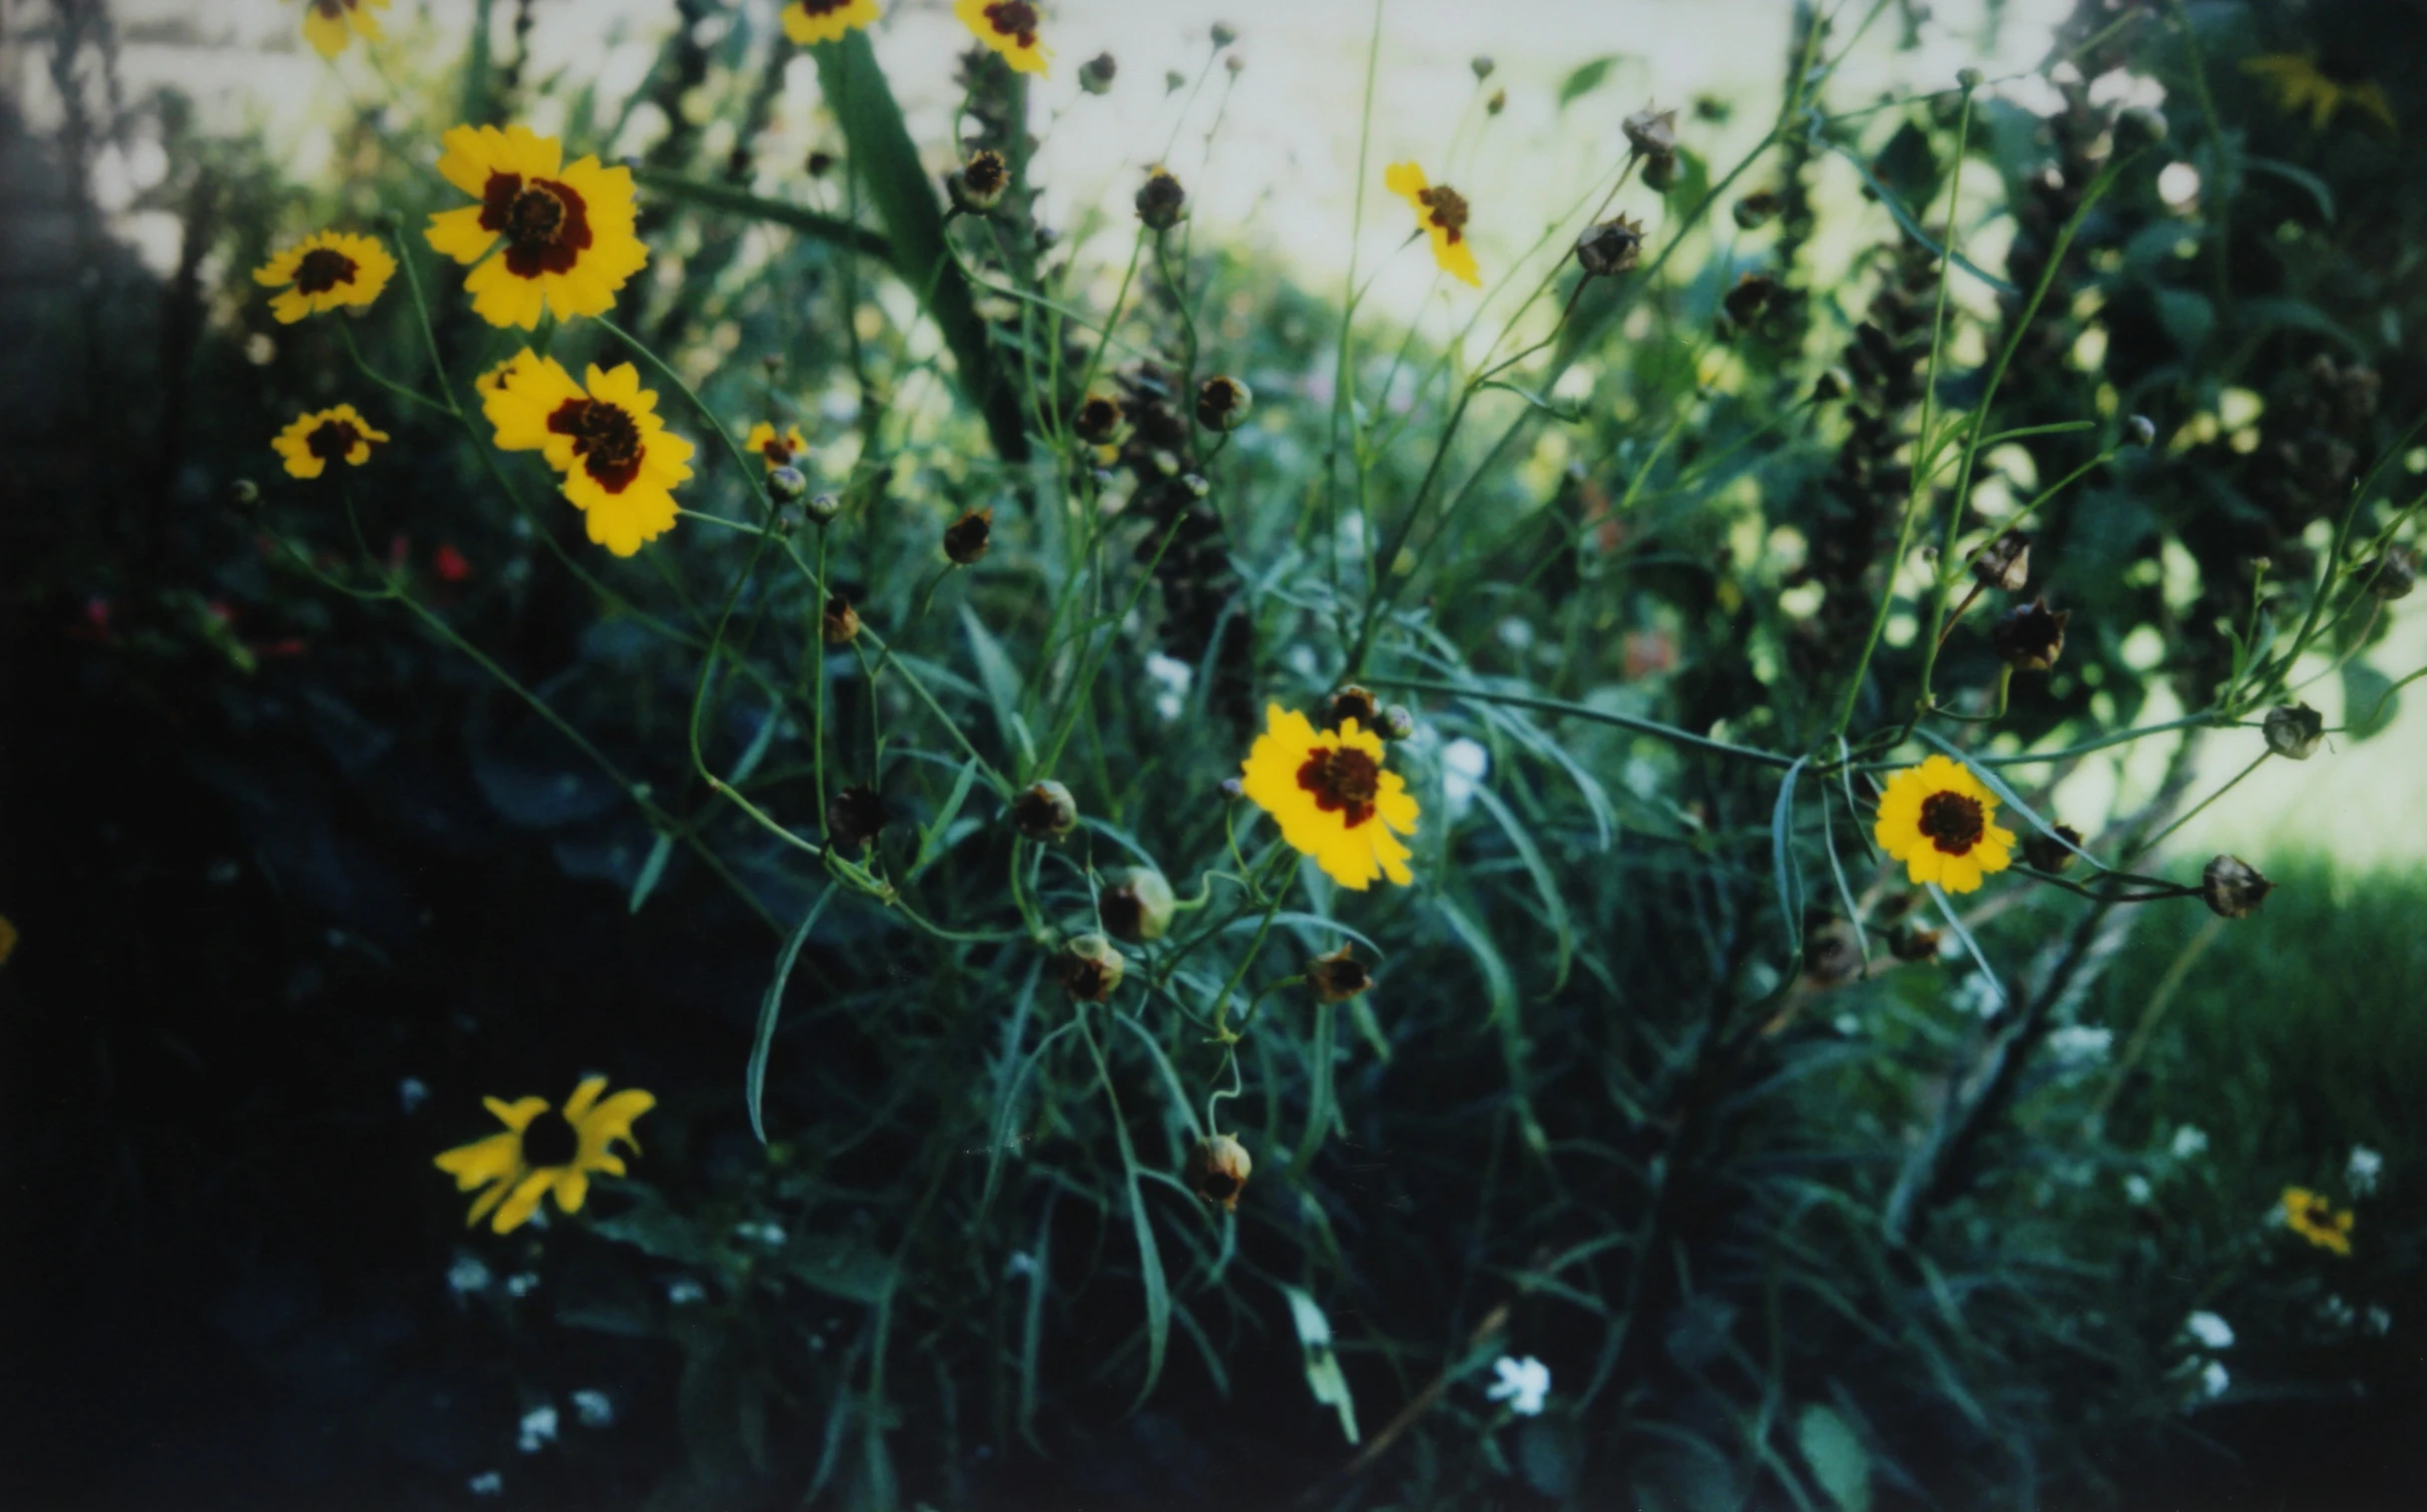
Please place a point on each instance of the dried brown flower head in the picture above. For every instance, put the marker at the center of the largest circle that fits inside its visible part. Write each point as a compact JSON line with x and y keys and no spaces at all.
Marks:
{"x":967,"y":539}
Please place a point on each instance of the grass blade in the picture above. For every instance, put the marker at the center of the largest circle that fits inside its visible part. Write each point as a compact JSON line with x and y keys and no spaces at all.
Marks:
{"x":770,"y":1008}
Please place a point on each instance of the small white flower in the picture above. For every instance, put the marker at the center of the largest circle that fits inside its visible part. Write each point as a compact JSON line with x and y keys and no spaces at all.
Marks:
{"x":770,"y":1234}
{"x":538,"y":1429}
{"x":1523,"y":1384}
{"x":411,"y":1093}
{"x":2080,"y":1043}
{"x":1021,"y":1263}
{"x":1515,"y":632}
{"x":2366,"y":1166}
{"x":2377,"y":1320}
{"x":2214,"y":1378}
{"x":2191,"y":1141}
{"x":2210,"y":1329}
{"x":467,"y":1276}
{"x":1463,"y":765}
{"x":1976,"y":995}
{"x":522,"y":1284}
{"x":486,"y":1483}
{"x":682,"y":1291}
{"x":2137,"y":1189}
{"x":593,"y":1409}
{"x":1172,"y":677}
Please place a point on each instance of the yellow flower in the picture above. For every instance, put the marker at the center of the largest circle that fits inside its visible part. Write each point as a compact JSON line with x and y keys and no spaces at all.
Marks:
{"x":809,"y":22}
{"x":542,"y":1151}
{"x":2300,"y":81}
{"x":619,"y":463}
{"x":325,"y":270}
{"x":1010,"y":28}
{"x":775,"y":450}
{"x":322,"y":436}
{"x":8,"y":938}
{"x":330,"y":25}
{"x":1332,"y":797}
{"x":2315,"y":1219}
{"x":1441,"y":212}
{"x":569,"y":240}
{"x":1939,"y":820}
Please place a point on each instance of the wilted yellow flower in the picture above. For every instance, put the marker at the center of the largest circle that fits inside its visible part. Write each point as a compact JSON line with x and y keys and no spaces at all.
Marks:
{"x":325,"y":270}
{"x":2303,"y":81}
{"x":619,"y":463}
{"x":1441,"y":212}
{"x":542,"y":1151}
{"x":1939,"y":820}
{"x":2314,"y":1219}
{"x":809,"y":22}
{"x":1010,"y":28}
{"x":330,"y":25}
{"x":1332,"y":797}
{"x":569,"y":238}
{"x":320,"y":436}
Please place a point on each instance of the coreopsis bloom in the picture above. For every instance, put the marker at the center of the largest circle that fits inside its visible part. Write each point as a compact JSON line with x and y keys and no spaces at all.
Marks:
{"x":568,"y":231}
{"x":1940,"y":821}
{"x":330,"y":25}
{"x":1010,"y":28}
{"x":2320,"y":86}
{"x":325,"y":270}
{"x":2310,"y":1215}
{"x":1332,"y":799}
{"x":618,"y":462}
{"x":775,"y":450}
{"x":543,"y":1151}
{"x":1442,"y":213}
{"x":319,"y":437}
{"x":809,"y":22}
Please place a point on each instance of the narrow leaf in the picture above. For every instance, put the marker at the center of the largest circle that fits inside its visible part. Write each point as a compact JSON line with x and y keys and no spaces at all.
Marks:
{"x":770,"y":1009}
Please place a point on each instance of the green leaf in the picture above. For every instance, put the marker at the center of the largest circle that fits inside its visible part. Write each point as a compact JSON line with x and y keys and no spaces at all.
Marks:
{"x":650,"y":869}
{"x":1784,"y":874}
{"x":1150,"y":1255}
{"x":1002,"y":685}
{"x":770,"y":1008}
{"x":2369,"y":700}
{"x":724,"y":196}
{"x":2301,"y":176}
{"x":931,"y":836}
{"x":1836,"y":1456}
{"x":1579,"y":82}
{"x":839,"y":1267}
{"x":2189,"y":319}
{"x":1323,"y":1376}
{"x":1546,"y":886}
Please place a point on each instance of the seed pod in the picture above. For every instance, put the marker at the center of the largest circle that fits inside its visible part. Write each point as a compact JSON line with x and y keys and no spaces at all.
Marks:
{"x":967,"y":539}
{"x":823,"y":508}
{"x":978,"y":184}
{"x":1609,"y":247}
{"x":1096,"y":73}
{"x":2392,"y":575}
{"x":839,"y":623}
{"x":1351,"y":702}
{"x":2005,"y":564}
{"x":1396,"y":724}
{"x":1218,"y":1169}
{"x":1090,"y":969}
{"x":2045,"y":853}
{"x":785,"y":484}
{"x":2232,"y":888}
{"x":1098,"y":420}
{"x":1222,"y":403}
{"x":2030,"y":637}
{"x":1045,"y":810}
{"x":2294,"y":731}
{"x":1337,"y":977}
{"x":1223,"y":34}
{"x":1160,"y":201}
{"x":1136,"y":904}
{"x":854,"y":817}
{"x":1652,"y":133}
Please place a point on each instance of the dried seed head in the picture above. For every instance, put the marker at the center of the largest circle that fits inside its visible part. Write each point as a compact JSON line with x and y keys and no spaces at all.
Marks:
{"x":2394,"y":574}
{"x":854,"y":817}
{"x":785,"y":484}
{"x":1751,"y":295}
{"x":1045,"y":810}
{"x":1160,"y":200}
{"x":1912,"y":942}
{"x":2139,"y":430}
{"x":1218,"y":1169}
{"x":2030,"y":637}
{"x":839,"y":622}
{"x":1652,"y":133}
{"x":1397,"y":723}
{"x":1098,"y":420}
{"x":1337,"y":977}
{"x":1096,"y":73}
{"x":1755,"y":210}
{"x":1222,"y":403}
{"x":823,"y":508}
{"x":966,"y":539}
{"x":2232,"y":888}
{"x":979,"y":184}
{"x":1136,"y":904}
{"x":2052,"y":853}
{"x":1090,"y":969}
{"x":2005,"y":563}
{"x":1609,"y":247}
{"x":2294,"y":731}
{"x":1351,"y":702}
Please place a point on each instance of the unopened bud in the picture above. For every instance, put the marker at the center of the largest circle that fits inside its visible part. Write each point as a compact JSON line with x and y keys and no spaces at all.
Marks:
{"x":1337,"y":977}
{"x":1912,"y":942}
{"x":786,"y":485}
{"x":1218,"y":1169}
{"x":1045,"y":810}
{"x":1659,"y":173}
{"x":1968,"y":79}
{"x":2139,"y":430}
{"x":967,"y":539}
{"x":1222,"y":403}
{"x":1223,"y":35}
{"x":2294,"y":731}
{"x":1751,"y":295}
{"x":1397,"y":723}
{"x":1096,"y":73}
{"x":2030,"y":637}
{"x":1350,"y":703}
{"x":2005,"y":563}
{"x":1136,"y":904}
{"x":1609,"y":247}
{"x":243,"y":493}
{"x":2232,"y":888}
{"x":1498,"y":103}
{"x":823,"y":508}
{"x":1160,"y":200}
{"x":1482,"y":65}
{"x":1090,"y":969}
{"x":1232,"y":790}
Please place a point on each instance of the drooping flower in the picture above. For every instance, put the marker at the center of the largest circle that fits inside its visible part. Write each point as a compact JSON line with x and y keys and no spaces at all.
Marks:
{"x":2310,"y":1215}
{"x":1442,"y":213}
{"x":1332,"y":799}
{"x":1940,"y":821}
{"x":619,"y":463}
{"x":541,"y":1152}
{"x":330,"y":25}
{"x":319,"y":437}
{"x":809,"y":22}
{"x":1010,"y":28}
{"x":775,"y":450}
{"x":568,"y":231}
{"x":2323,"y":86}
{"x":325,"y":270}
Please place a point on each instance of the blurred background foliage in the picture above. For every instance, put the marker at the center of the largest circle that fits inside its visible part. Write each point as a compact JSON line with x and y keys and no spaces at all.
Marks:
{"x":1797,"y":1212}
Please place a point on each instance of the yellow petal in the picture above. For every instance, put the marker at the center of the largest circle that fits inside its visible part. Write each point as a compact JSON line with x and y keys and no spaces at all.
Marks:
{"x":583,"y":1096}
{"x":488,"y":1199}
{"x":516,"y":1115}
{"x":524,"y":1200}
{"x":572,"y":1189}
{"x":458,"y":233}
{"x":482,"y":1161}
{"x":1406,"y":181}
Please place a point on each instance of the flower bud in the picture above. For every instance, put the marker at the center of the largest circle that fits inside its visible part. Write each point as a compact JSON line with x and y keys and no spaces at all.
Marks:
{"x":2294,"y":731}
{"x":1968,"y":79}
{"x":1223,"y":35}
{"x":1160,"y":201}
{"x":854,"y":817}
{"x":823,"y":508}
{"x":1609,"y":247}
{"x":1096,"y":73}
{"x":1222,"y":403}
{"x":2030,"y":637}
{"x":1232,"y":790}
{"x":1351,"y":702}
{"x":967,"y":539}
{"x":839,"y":622}
{"x":2140,"y":430}
{"x":1498,"y":103}
{"x":1090,"y":969}
{"x":1337,"y":977}
{"x":1136,"y":904}
{"x":1482,"y":65}
{"x":1218,"y":1169}
{"x":2392,"y":575}
{"x":2052,"y":853}
{"x":786,"y":485}
{"x":2005,"y":563}
{"x":1397,"y":723}
{"x":243,"y":493}
{"x":1235,"y":65}
{"x":1044,"y":810}
{"x":1652,"y":133}
{"x":978,"y":184}
{"x":1659,"y":173}
{"x":1755,"y":210}
{"x":1098,"y":420}
{"x":2232,"y":888}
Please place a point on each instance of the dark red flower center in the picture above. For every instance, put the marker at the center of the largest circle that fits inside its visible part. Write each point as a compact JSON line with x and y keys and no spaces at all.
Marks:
{"x":1343,"y":780}
{"x":815,"y":8}
{"x":546,"y":222}
{"x":1953,"y":823}
{"x":1016,"y":19}
{"x":331,"y":440}
{"x":332,"y":9}
{"x":550,"y":1139}
{"x":1448,"y":209}
{"x":605,"y":439}
{"x":777,"y":452}
{"x":323,"y":268}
